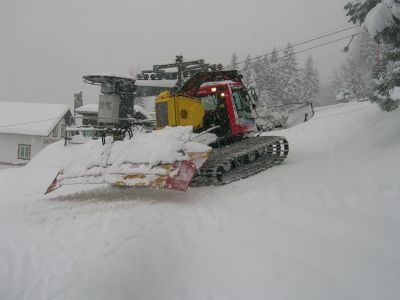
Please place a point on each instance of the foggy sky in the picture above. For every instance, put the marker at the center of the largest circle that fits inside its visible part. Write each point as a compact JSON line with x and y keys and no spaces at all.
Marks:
{"x":48,"y":45}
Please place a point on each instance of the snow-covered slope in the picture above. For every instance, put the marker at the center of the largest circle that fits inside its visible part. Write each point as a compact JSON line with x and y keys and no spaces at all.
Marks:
{"x":323,"y":225}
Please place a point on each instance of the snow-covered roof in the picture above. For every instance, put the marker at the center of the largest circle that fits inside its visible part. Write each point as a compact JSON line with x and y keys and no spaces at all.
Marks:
{"x":88,"y":108}
{"x":30,"y":118}
{"x":156,"y":83}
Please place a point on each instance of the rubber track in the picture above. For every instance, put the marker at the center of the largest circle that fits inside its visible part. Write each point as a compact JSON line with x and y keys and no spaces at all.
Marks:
{"x":241,"y":160}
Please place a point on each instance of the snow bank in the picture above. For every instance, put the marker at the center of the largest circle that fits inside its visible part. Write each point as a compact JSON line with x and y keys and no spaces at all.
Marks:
{"x":322,"y":225}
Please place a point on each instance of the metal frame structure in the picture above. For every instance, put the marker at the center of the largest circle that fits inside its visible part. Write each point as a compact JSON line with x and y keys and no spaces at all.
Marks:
{"x":185,"y":69}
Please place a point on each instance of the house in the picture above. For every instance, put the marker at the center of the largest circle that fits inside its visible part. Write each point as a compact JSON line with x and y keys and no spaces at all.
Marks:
{"x":26,"y":128}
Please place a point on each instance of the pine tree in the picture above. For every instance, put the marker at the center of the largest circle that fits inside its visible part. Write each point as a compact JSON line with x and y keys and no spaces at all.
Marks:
{"x":309,"y":82}
{"x":336,"y":87}
{"x":274,"y":79}
{"x":246,"y":67}
{"x":265,"y":80}
{"x":355,"y":77}
{"x":289,"y":79}
{"x":364,"y":51}
{"x":234,"y":62}
{"x":259,"y":73}
{"x":361,"y":61}
{"x":386,"y":30}
{"x":353,"y":82}
{"x":389,"y":79}
{"x":249,"y":74}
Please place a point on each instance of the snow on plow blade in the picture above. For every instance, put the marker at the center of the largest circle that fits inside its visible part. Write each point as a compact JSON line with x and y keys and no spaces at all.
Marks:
{"x":166,"y":158}
{"x":176,"y":176}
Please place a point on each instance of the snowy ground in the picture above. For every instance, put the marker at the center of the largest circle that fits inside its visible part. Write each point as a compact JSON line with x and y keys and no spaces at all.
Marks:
{"x":323,"y":225}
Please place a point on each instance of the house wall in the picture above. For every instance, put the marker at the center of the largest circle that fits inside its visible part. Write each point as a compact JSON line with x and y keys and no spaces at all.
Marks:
{"x":9,"y":146}
{"x":51,"y":138}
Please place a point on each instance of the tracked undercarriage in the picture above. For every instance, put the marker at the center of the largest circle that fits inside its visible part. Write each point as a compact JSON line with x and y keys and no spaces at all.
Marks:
{"x":241,"y":159}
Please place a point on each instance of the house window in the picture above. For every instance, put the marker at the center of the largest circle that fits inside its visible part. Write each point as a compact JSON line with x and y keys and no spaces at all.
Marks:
{"x":55,"y":131}
{"x":63,"y":131}
{"x":24,"y":151}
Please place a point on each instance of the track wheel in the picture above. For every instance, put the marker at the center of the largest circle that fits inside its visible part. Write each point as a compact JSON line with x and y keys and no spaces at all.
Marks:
{"x":242,"y":160}
{"x":220,"y":173}
{"x":227,"y":166}
{"x":252,"y":157}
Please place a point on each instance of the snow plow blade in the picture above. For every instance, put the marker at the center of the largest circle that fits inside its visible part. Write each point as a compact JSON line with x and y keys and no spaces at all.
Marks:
{"x":179,"y":175}
{"x":284,"y":115}
{"x":176,"y":176}
{"x":299,"y":114}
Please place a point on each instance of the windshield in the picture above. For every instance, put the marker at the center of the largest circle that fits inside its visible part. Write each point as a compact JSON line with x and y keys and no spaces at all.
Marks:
{"x":210,"y":102}
{"x":242,"y":103}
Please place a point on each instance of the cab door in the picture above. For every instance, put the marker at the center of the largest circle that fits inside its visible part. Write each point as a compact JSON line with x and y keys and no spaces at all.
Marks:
{"x":244,"y":121}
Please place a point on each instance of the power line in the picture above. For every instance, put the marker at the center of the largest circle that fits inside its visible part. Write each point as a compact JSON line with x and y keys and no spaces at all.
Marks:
{"x":308,"y":49}
{"x":301,"y":43}
{"x":341,"y":29}
{"x":318,"y":46}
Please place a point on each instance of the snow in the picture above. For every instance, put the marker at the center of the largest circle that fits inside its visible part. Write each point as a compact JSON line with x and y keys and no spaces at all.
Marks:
{"x":140,"y":109}
{"x":395,"y":93}
{"x":147,"y":102}
{"x":30,"y":118}
{"x":396,"y":10}
{"x":162,"y":146}
{"x":88,"y":108}
{"x":322,"y":225}
{"x":382,"y":16}
{"x":139,"y":155}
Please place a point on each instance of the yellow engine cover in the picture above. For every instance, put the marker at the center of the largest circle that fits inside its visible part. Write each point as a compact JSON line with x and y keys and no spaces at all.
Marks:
{"x":178,"y":111}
